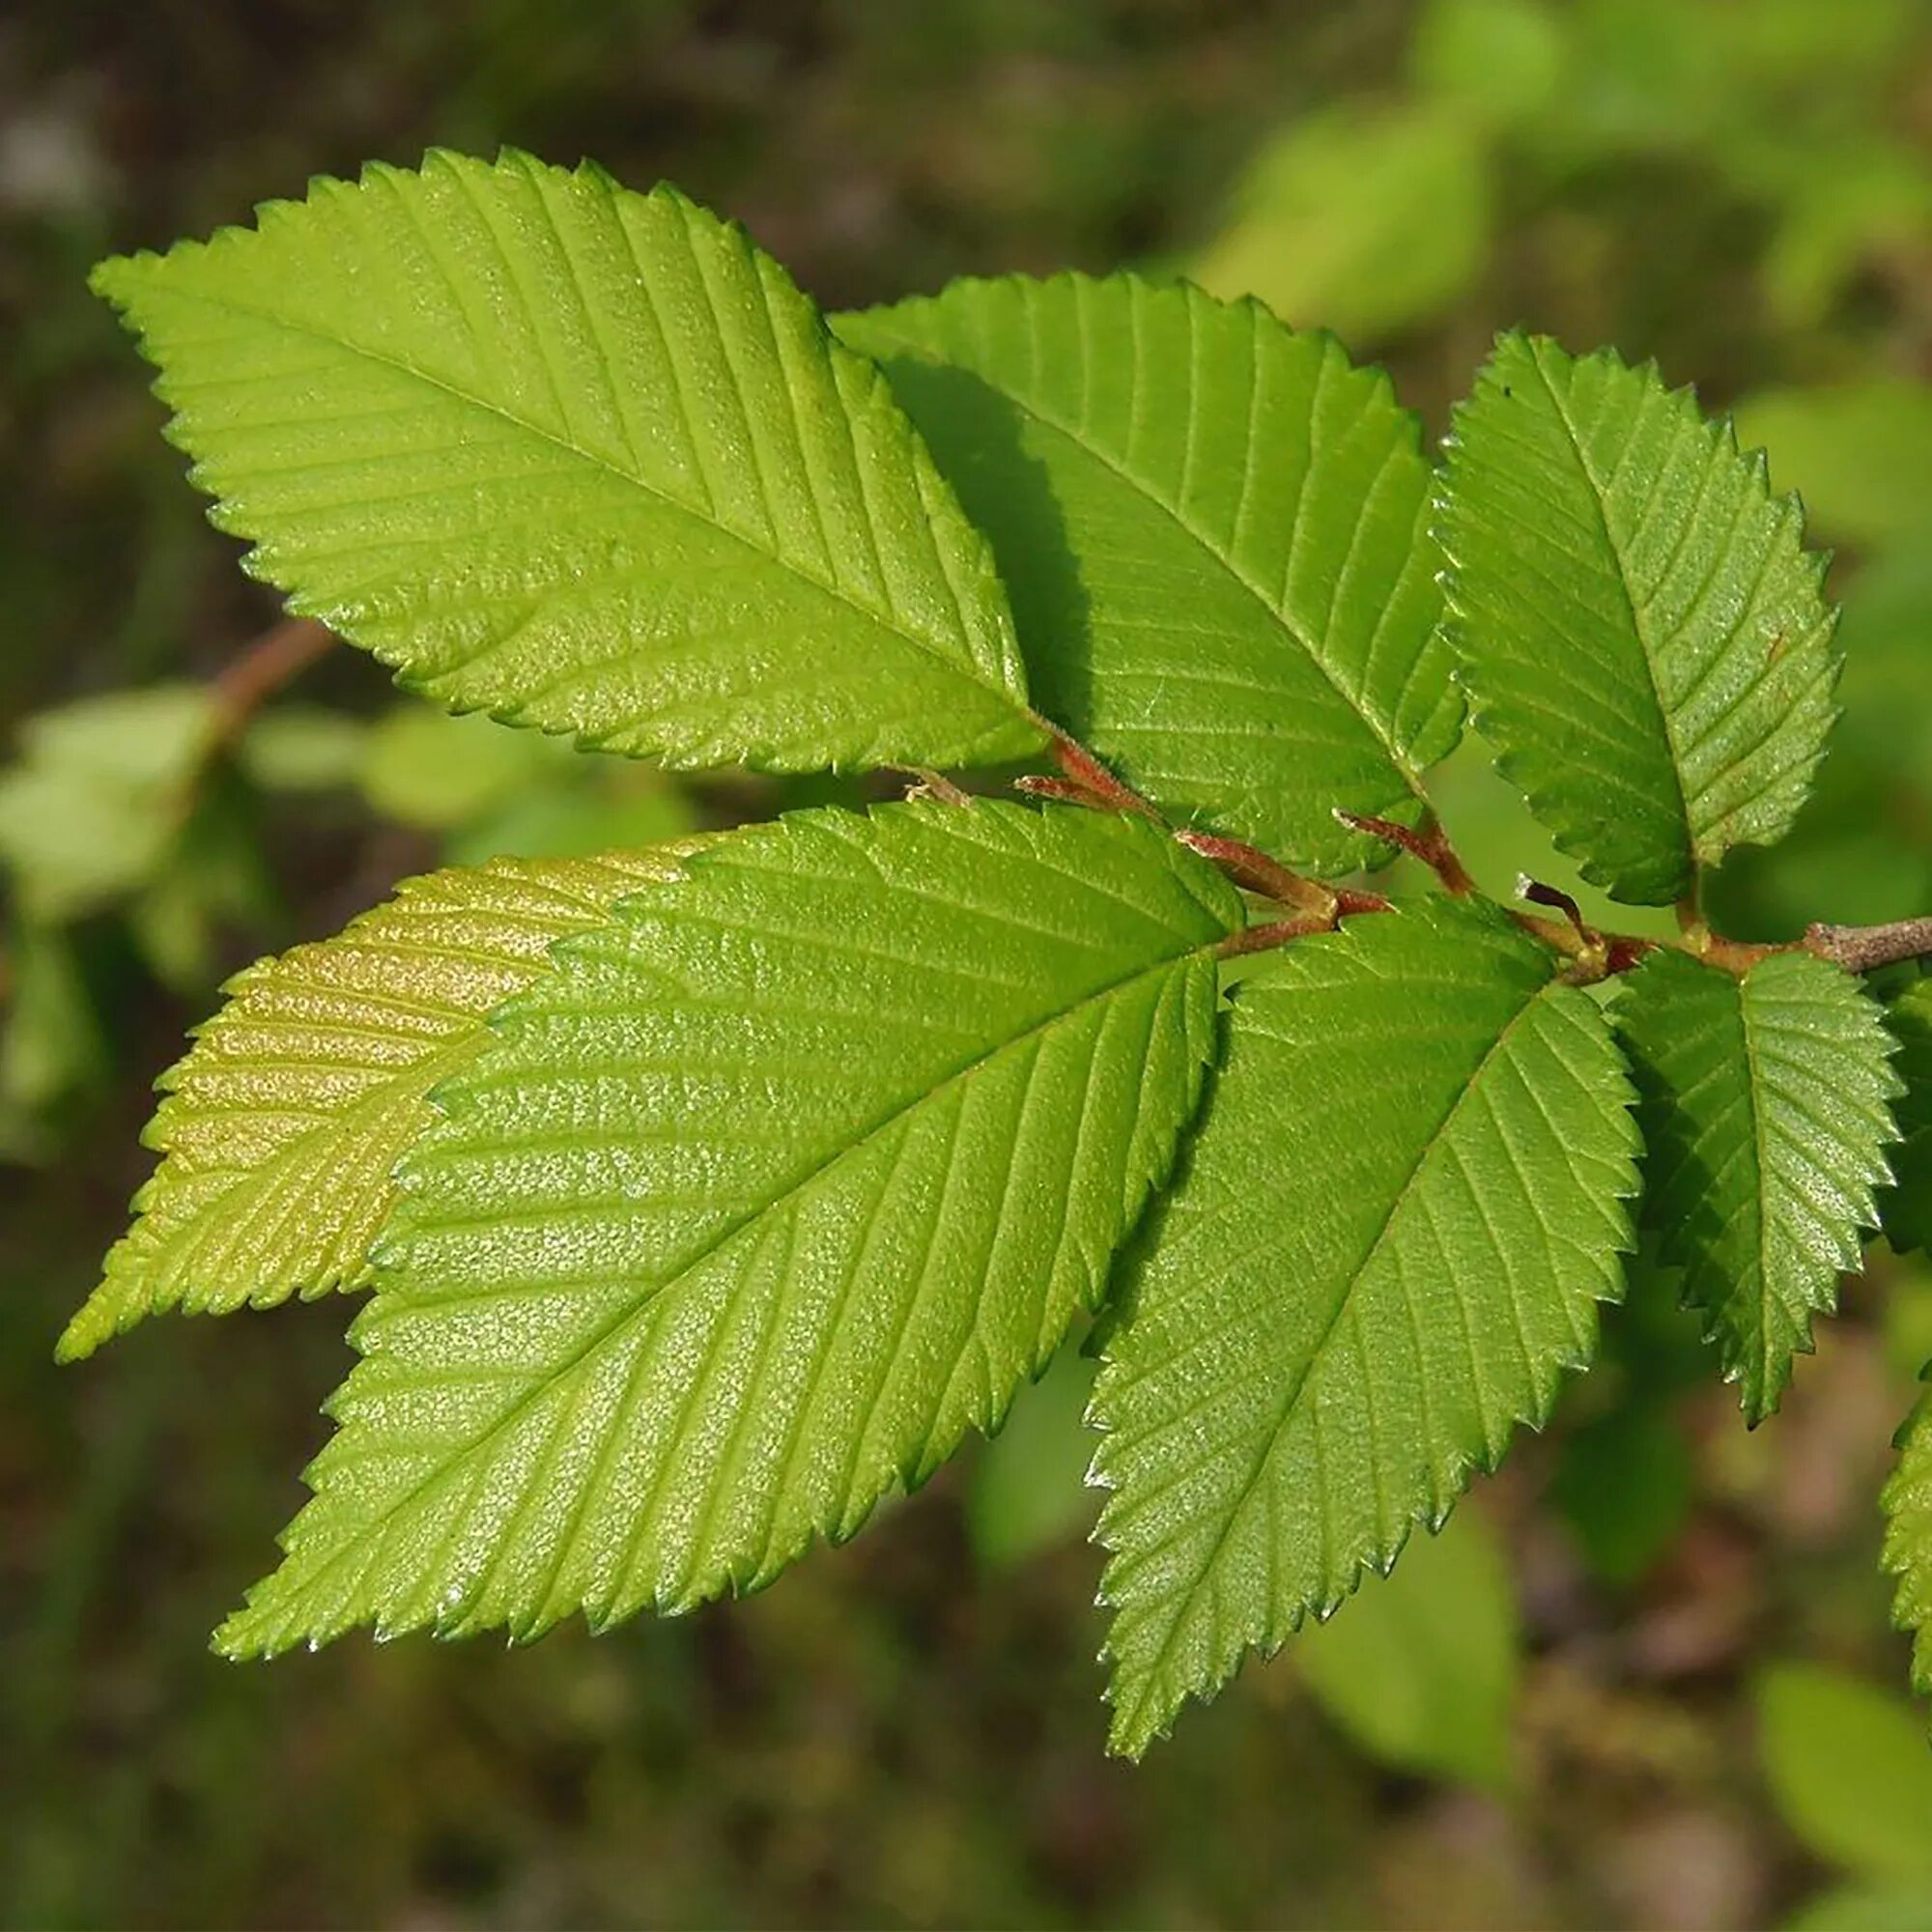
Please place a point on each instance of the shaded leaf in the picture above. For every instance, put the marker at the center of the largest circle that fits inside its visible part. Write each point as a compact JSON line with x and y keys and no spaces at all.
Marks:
{"x":1212,"y":530}
{"x":1765,"y":1114}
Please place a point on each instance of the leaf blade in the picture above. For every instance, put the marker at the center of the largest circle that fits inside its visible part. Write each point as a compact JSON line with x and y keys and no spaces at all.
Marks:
{"x":1214,"y":533}
{"x":1263,"y":1448}
{"x":575,"y":456}
{"x":279,"y":1128}
{"x":741,"y":1226}
{"x":1688,"y":705}
{"x":1765,"y":1110}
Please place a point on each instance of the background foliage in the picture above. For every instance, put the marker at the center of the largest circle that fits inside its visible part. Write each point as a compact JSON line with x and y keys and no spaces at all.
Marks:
{"x":1635,"y":1684}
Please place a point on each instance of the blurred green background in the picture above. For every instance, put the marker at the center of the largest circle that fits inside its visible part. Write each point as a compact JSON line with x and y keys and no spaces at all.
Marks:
{"x":1643,"y":1680}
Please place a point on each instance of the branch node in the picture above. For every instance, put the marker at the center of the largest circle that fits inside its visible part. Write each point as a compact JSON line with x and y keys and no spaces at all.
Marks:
{"x":1427,"y":842}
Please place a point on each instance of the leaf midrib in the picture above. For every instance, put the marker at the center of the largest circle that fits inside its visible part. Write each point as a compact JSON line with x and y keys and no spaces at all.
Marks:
{"x":964,"y":663}
{"x":1291,"y":1400}
{"x":648,"y":1301}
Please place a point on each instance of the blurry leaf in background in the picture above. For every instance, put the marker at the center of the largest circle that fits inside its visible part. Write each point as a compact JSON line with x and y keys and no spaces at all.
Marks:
{"x":493,"y":793}
{"x":100,"y":790}
{"x":1501,"y":58}
{"x":51,"y":1042}
{"x":214,"y":878}
{"x":1859,"y":453}
{"x":426,"y":769}
{"x":1028,"y":1488}
{"x":1360,"y":219}
{"x":1623,"y":1483}
{"x":1421,"y":1668}
{"x":305,"y":748}
{"x":1866,"y":1908}
{"x":1849,"y":1769}
{"x":1872,"y":201}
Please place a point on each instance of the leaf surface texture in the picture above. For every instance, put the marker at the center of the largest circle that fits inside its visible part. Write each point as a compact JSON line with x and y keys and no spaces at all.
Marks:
{"x":1642,"y":634}
{"x":280,"y":1129}
{"x":1765,"y":1116}
{"x":790,"y":1176}
{"x":1215,"y":532}
{"x":585,"y":459}
{"x":1388,"y":1240}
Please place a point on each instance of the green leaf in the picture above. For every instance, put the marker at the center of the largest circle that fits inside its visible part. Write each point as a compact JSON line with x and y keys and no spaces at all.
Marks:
{"x":1642,"y":634}
{"x":1423,"y":1670}
{"x":790,"y":1176}
{"x":1849,"y":1769}
{"x":1213,"y":533}
{"x":586,"y":460}
{"x":1387,"y":1243}
{"x":1907,"y":1206}
{"x":282,"y":1127}
{"x":1765,"y":1113}
{"x":1907,"y":1504}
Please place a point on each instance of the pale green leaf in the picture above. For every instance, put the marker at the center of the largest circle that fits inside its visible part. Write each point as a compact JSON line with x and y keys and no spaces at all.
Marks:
{"x":786,"y":1177}
{"x":586,"y":460}
{"x":1641,"y":631}
{"x":1859,"y":453}
{"x":1423,"y":1670}
{"x":1360,"y":217}
{"x":280,"y":1128}
{"x":1849,"y":1770}
{"x":1765,"y":1114}
{"x":102,"y":793}
{"x":1027,"y":1492}
{"x":1213,"y":532}
{"x":1388,"y":1241}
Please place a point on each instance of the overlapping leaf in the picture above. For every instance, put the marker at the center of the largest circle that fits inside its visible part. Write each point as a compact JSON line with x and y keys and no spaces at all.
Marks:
{"x":585,"y":459}
{"x":1641,"y":631}
{"x":1387,"y":1243}
{"x":1213,"y":532}
{"x":280,"y":1129}
{"x":783,"y":1180}
{"x":1765,"y":1120}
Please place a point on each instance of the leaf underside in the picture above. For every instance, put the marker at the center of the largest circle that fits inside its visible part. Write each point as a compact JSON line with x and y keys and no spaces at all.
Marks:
{"x":783,"y":1180}
{"x":1214,"y":533}
{"x":1387,"y":1243}
{"x":585,"y":459}
{"x":1765,"y":1114}
{"x":1641,"y":631}
{"x":280,"y":1129}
